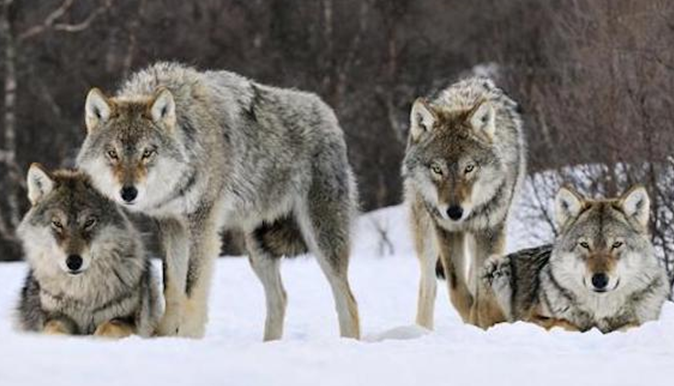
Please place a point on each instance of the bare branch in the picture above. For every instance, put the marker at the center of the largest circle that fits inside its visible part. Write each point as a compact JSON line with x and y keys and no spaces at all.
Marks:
{"x":51,"y":22}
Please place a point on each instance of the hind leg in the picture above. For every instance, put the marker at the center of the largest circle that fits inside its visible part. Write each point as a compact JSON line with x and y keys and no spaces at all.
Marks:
{"x":325,"y":226}
{"x":267,"y":269}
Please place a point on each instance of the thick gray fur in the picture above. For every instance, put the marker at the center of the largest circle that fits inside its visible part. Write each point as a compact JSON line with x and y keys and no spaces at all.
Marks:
{"x":240,"y":155}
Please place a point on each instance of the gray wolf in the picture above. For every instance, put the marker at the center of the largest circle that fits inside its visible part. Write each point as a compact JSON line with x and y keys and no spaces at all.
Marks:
{"x":464,"y":163}
{"x":88,"y":273}
{"x":206,"y":151}
{"x":601,"y":272}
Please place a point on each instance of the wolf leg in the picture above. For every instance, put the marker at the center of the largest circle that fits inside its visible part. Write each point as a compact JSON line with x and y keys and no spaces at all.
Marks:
{"x":114,"y":329}
{"x":496,"y":275}
{"x":325,"y":228}
{"x":486,"y":310}
{"x":427,"y":255}
{"x":451,"y":247}
{"x":204,"y":248}
{"x":268,"y":270}
{"x":174,"y":238}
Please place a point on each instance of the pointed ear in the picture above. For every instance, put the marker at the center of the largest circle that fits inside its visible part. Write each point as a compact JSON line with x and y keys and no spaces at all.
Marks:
{"x":568,"y":204}
{"x":636,"y":204}
{"x":40,"y":183}
{"x":483,"y":119}
{"x":97,"y":109}
{"x":422,"y":119}
{"x":163,"y":108}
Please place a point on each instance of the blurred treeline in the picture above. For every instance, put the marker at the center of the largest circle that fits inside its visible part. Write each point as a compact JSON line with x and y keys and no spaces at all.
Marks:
{"x":594,"y":77}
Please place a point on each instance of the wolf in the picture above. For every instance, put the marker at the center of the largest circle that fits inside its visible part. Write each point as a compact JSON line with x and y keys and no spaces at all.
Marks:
{"x":601,"y":271}
{"x":203,"y":151}
{"x":463,"y":167}
{"x":89,"y":273}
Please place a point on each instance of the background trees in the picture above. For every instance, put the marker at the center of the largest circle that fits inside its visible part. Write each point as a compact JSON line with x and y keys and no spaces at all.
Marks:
{"x":595,"y":77}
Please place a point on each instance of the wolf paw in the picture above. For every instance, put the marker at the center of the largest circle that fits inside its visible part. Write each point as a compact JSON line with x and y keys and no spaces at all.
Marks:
{"x":55,"y":327}
{"x":496,"y":272}
{"x":114,"y":330}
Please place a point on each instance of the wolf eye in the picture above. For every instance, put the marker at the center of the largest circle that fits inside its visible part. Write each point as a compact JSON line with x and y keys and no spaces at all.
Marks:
{"x":57,"y":224}
{"x":584,"y":245}
{"x":469,"y":169}
{"x":112,"y":154}
{"x":147,"y":153}
{"x":436,"y":169}
{"x":90,"y":223}
{"x":617,"y":244}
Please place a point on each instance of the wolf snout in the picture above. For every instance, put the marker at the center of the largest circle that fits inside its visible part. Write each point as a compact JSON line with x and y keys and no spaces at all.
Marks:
{"x":74,"y":263}
{"x":600,"y":281}
{"x":128,"y":193}
{"x":455,"y":212}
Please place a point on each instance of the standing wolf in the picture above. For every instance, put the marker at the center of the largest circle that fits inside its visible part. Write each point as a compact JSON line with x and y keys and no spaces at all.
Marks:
{"x":601,"y":271}
{"x":464,"y":163}
{"x":203,"y":151}
{"x":89,"y":273}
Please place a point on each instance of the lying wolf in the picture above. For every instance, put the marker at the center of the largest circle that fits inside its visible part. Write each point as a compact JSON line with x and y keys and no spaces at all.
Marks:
{"x":88,"y":271}
{"x":601,"y":271}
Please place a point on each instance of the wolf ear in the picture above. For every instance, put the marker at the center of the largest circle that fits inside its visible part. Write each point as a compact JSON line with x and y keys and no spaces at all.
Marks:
{"x":40,"y":183}
{"x":568,"y":204}
{"x":636,"y":204}
{"x":483,"y":119}
{"x":97,"y":109}
{"x":422,"y":119}
{"x":163,"y":108}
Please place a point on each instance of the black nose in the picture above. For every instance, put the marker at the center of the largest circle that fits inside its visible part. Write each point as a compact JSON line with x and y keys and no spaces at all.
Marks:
{"x":129,"y":193}
{"x":600,"y":281}
{"x":74,"y":262}
{"x":455,"y":212}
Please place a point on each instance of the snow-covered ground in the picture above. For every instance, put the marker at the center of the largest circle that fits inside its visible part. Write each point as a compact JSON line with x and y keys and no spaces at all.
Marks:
{"x":394,"y":352}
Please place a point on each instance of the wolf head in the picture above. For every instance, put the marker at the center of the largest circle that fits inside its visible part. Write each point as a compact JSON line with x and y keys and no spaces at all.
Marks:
{"x":451,"y":158}
{"x":66,"y":222}
{"x":603,"y":245}
{"x":131,"y":151}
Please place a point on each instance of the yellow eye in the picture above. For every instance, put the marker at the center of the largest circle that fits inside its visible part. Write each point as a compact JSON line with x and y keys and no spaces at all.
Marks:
{"x":89,"y":223}
{"x":584,"y":245}
{"x":469,"y":169}
{"x":617,"y":244}
{"x":57,"y":224}
{"x":112,"y":154}
{"x":436,"y":169}
{"x":147,"y":153}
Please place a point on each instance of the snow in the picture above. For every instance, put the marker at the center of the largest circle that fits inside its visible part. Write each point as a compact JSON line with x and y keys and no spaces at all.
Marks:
{"x":393,"y":351}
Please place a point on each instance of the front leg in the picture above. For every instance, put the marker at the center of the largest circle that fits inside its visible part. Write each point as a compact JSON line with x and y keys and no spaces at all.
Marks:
{"x":427,"y":254}
{"x":451,"y":247}
{"x":175,"y":242}
{"x":486,"y":311}
{"x":115,"y":329}
{"x":204,"y":248}
{"x":496,"y":276}
{"x":59,"y":326}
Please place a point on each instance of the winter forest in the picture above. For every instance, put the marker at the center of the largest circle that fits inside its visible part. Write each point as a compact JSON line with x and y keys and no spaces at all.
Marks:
{"x":593,"y":80}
